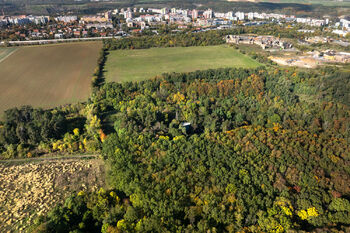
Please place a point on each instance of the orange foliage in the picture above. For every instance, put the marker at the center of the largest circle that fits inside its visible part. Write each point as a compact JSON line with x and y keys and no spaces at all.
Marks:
{"x":103,"y":136}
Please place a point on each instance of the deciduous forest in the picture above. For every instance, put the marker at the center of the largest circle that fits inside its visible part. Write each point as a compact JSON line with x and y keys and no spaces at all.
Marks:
{"x":223,"y":150}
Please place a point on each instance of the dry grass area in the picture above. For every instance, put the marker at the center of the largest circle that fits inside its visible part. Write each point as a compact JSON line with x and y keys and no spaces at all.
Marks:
{"x":30,"y":189}
{"x":48,"y":75}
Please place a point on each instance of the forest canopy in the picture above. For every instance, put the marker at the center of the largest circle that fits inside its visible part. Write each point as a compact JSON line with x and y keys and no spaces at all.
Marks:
{"x":223,"y":150}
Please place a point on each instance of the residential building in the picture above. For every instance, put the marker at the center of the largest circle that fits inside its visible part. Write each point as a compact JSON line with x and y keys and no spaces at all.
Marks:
{"x":194,"y":14}
{"x":208,"y":14}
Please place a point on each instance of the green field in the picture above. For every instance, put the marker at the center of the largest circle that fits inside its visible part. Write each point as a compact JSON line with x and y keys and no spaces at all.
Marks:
{"x":46,"y":76}
{"x":127,"y":65}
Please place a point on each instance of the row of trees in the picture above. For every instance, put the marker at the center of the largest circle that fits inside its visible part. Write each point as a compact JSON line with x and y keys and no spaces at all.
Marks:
{"x":98,"y":77}
{"x":194,"y":38}
{"x":167,"y":40}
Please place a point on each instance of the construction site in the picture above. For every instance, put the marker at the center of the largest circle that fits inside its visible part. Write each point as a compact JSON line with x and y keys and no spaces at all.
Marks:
{"x":284,"y":53}
{"x":312,"y":59}
{"x":265,"y":42}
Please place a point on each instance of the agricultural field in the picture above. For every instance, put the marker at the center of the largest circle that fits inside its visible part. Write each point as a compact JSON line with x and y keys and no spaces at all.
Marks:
{"x":128,"y":65}
{"x":46,"y":76}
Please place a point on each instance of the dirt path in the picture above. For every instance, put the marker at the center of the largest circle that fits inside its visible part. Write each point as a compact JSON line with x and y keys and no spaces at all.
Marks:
{"x":4,"y":58}
{"x":47,"y":158}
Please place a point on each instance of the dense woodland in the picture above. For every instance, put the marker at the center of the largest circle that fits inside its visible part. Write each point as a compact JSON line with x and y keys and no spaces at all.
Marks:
{"x":223,"y":150}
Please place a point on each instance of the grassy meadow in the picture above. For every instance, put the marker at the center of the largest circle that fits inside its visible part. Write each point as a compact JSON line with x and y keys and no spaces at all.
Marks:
{"x":128,"y":65}
{"x":46,"y":76}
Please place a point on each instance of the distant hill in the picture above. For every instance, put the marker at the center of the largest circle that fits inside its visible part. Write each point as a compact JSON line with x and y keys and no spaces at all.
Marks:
{"x":308,"y":7}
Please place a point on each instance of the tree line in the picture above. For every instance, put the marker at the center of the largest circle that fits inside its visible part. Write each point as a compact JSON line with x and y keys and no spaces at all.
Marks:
{"x":191,"y":37}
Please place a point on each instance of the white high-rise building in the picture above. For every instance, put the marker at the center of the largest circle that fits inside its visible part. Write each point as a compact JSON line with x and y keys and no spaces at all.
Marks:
{"x":128,"y":15}
{"x":164,"y":11}
{"x":66,"y":19}
{"x":229,"y":15}
{"x":208,"y":14}
{"x":250,"y":15}
{"x":184,"y":12}
{"x":240,"y":15}
{"x":345,"y":23}
{"x":194,"y":14}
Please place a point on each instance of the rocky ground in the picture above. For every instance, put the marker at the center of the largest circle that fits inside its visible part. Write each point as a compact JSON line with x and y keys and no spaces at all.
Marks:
{"x":33,"y":188}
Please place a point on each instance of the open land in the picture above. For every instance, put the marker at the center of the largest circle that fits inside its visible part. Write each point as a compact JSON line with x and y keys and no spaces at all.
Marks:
{"x":129,"y":65}
{"x":30,"y":189}
{"x":47,"y":76}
